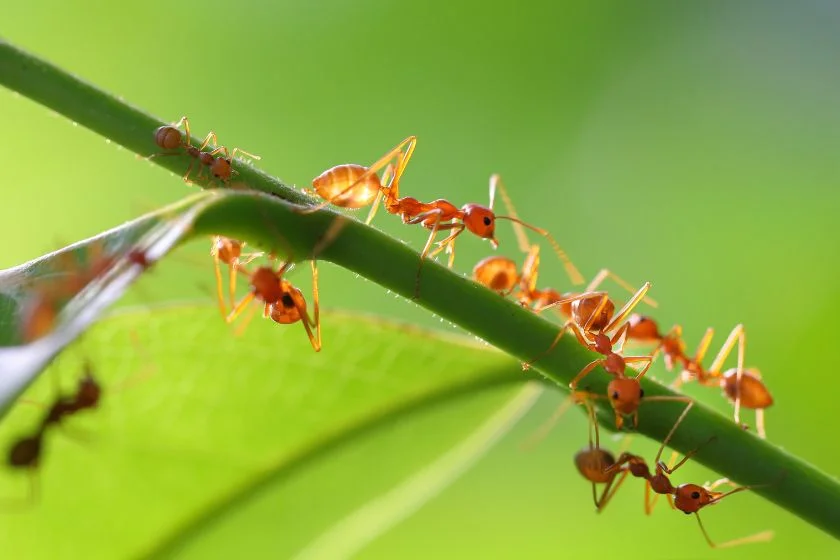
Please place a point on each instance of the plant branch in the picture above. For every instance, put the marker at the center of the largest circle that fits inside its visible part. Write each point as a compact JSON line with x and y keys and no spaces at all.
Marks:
{"x":791,"y":483}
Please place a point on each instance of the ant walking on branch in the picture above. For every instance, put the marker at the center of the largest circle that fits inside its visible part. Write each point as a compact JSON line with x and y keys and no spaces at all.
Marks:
{"x":353,"y":186}
{"x":218,"y":160}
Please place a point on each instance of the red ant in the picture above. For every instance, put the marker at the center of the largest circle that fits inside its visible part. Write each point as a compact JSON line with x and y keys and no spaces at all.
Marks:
{"x":592,"y":316}
{"x":741,"y":386}
{"x":282,"y":301}
{"x":688,"y":498}
{"x":352,"y":186}
{"x":169,"y":137}
{"x":25,"y":453}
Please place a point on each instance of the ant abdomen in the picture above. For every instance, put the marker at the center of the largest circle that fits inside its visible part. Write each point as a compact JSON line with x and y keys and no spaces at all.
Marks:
{"x":346,"y":186}
{"x":168,"y":137}
{"x":751,"y":390}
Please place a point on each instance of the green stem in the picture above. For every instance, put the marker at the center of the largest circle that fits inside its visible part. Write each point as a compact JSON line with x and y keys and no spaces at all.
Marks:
{"x":791,"y":483}
{"x":101,"y":112}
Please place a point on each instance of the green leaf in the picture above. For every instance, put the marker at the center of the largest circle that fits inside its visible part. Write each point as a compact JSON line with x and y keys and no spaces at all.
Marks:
{"x":256,"y":418}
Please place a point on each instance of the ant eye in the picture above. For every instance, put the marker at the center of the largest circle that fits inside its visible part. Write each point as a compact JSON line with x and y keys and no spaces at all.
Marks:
{"x":695,"y":495}
{"x":487,"y":220}
{"x":641,"y":393}
{"x":615,"y":395}
{"x":288,"y":301}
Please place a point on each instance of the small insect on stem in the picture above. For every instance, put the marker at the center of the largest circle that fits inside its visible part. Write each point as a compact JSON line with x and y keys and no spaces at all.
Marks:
{"x":217,"y":160}
{"x":743,"y":387}
{"x":282,"y":302}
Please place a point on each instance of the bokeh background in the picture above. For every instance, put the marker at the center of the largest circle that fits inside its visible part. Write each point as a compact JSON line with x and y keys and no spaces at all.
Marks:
{"x":692,"y":144}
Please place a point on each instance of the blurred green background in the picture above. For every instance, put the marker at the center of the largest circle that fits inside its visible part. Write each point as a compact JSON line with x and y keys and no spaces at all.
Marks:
{"x":690,"y":144}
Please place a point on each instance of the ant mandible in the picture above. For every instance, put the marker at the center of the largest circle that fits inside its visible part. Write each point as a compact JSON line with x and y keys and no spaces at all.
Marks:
{"x":688,"y":498}
{"x":169,"y":137}
{"x":353,"y":186}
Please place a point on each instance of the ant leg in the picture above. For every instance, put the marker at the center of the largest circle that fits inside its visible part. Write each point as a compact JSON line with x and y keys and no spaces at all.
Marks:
{"x":569,"y":324}
{"x":243,"y":152}
{"x":328,"y":236}
{"x":243,"y":303}
{"x":609,"y":491}
{"x":596,"y":313}
{"x":549,"y":424}
{"x":605,"y":273}
{"x":678,"y":421}
{"x":759,"y":422}
{"x":309,"y":323}
{"x":243,"y":324}
{"x":386,"y":178}
{"x":636,"y":359}
{"x":650,"y":503}
{"x":569,"y":299}
{"x":763,"y":536}
{"x":186,"y":124}
{"x":738,"y":335}
{"x":186,"y":176}
{"x":448,"y":244}
{"x":584,"y":372}
{"x":211,"y":137}
{"x":219,"y":291}
{"x":372,"y":170}
{"x":726,"y":349}
{"x":628,"y":308}
{"x":232,"y":281}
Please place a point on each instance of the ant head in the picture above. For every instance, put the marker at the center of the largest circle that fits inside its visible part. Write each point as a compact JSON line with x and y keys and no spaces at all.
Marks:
{"x":481,"y":221}
{"x":625,"y":394}
{"x":286,"y":309}
{"x":25,"y":452}
{"x":221,"y":169}
{"x":584,"y":308}
{"x":226,"y":249}
{"x":690,"y":498}
{"x":168,"y":137}
{"x":497,"y":273}
{"x":642,"y":328}
{"x":592,"y":462}
{"x":88,"y":392}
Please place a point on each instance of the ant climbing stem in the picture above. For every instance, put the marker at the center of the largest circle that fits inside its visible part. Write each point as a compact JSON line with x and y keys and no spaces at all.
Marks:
{"x":352,"y":186}
{"x":282,"y":302}
{"x":624,"y":393}
{"x":688,"y":498}
{"x":743,"y":386}
{"x":169,"y":137}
